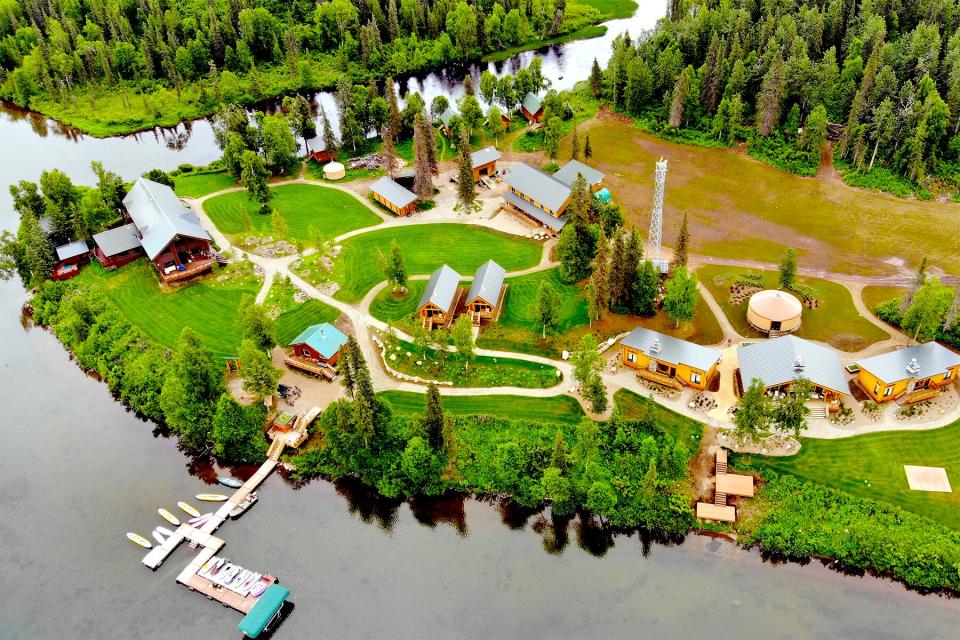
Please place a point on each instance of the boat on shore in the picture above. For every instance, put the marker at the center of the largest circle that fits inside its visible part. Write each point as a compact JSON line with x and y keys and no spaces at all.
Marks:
{"x":188,"y":509}
{"x":227,"y":481}
{"x":211,"y":497}
{"x":138,"y":539}
{"x":169,"y":517}
{"x":245,"y":504}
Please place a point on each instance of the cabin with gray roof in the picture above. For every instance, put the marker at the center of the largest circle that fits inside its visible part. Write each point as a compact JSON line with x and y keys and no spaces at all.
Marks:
{"x":440,"y":298}
{"x":118,"y":246}
{"x":778,"y":363}
{"x":484,"y":162}
{"x":169,"y":231}
{"x":485,"y":298}
{"x":909,"y":375}
{"x":537,"y":195}
{"x":669,"y":361}
{"x":531,"y":108}
{"x":568,"y":175}
{"x":446,"y":118}
{"x":394,"y":196}
{"x":69,"y":258}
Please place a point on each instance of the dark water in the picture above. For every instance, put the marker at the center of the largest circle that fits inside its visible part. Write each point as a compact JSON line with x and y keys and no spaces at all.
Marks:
{"x":78,"y":471}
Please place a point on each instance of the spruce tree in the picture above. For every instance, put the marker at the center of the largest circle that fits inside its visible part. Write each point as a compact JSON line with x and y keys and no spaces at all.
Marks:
{"x":433,"y":418}
{"x":345,"y":366}
{"x":329,"y":138}
{"x":422,"y":180}
{"x":587,"y":149}
{"x":394,"y":119}
{"x":467,"y":201}
{"x":646,"y":288}
{"x":596,"y":79}
{"x":683,"y":238}
{"x":558,"y":459}
{"x":770,"y":99}
{"x":616,"y":282}
{"x":575,"y":144}
{"x":600,"y":279}
{"x":389,"y":155}
{"x":788,"y":269}
{"x":917,"y":283}
{"x":364,"y":398}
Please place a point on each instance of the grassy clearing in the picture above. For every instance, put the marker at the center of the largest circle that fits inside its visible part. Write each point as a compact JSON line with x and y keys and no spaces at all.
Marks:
{"x":197,"y":185}
{"x":874,"y":295}
{"x":314,"y":171}
{"x":739,"y":207}
{"x":835,"y":321}
{"x":613,"y":9}
{"x":425,"y":248}
{"x":871,"y":466}
{"x":208,"y":306}
{"x":555,"y":409}
{"x":519,"y":329}
{"x":292,"y":322}
{"x":682,"y":428}
{"x":306,"y":209}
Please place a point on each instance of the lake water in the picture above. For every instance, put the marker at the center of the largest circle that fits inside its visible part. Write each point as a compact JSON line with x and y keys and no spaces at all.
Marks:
{"x":79,"y":471}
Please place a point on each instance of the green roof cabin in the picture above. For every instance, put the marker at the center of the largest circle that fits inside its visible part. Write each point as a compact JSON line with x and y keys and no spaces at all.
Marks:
{"x":264,"y":612}
{"x":317,"y":349}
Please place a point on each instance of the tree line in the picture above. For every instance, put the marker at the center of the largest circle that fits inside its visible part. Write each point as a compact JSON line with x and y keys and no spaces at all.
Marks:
{"x":886,"y":72}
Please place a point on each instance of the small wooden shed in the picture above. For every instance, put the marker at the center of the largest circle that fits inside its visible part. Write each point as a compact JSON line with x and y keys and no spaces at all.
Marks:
{"x":394,"y":196}
{"x":531,"y":108}
{"x":484,"y":162}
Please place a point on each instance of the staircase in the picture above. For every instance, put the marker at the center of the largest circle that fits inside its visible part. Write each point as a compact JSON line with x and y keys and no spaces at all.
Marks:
{"x":818,"y":412}
{"x":721,"y":466}
{"x":276,"y":448}
{"x":720,"y":499}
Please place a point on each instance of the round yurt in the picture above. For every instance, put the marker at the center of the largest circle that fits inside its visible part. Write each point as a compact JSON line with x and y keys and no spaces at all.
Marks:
{"x":775,"y":312}
{"x":334,"y":171}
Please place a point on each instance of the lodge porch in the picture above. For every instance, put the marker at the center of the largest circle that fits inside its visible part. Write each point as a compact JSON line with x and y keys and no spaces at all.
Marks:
{"x":310,"y":366}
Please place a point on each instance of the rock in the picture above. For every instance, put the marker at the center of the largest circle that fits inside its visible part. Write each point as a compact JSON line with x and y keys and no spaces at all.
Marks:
{"x":393,"y":356}
{"x":419,"y":363}
{"x":565,"y":355}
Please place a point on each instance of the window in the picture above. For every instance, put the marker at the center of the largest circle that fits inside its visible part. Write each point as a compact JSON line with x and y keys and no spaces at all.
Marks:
{"x":695,"y":378}
{"x":876,"y":388}
{"x":948,"y":375}
{"x":305,"y":352}
{"x":887,"y":391}
{"x":631,"y":356}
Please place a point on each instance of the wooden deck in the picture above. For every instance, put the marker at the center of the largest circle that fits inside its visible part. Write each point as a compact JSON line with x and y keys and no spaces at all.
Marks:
{"x":918,"y":395}
{"x":191,"y":270}
{"x":660,"y":378}
{"x":310,"y":366}
{"x":707,"y":511}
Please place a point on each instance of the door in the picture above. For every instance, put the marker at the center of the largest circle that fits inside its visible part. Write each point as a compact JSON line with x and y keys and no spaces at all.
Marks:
{"x":774,"y":325}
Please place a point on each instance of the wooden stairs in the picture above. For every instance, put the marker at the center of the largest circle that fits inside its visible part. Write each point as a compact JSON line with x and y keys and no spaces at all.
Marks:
{"x":276,"y":448}
{"x":720,"y":499}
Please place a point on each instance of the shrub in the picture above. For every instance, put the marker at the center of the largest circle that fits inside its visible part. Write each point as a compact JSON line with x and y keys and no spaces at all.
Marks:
{"x":782,"y":153}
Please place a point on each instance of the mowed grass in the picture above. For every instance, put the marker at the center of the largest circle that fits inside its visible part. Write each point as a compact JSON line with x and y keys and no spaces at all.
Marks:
{"x":871,"y":466}
{"x":551,"y":410}
{"x":294,"y":320}
{"x":835,"y":321}
{"x":739,"y":207}
{"x":207,"y":307}
{"x":873,"y":295}
{"x":426,"y":248}
{"x":633,"y":405}
{"x":304,"y":207}
{"x":397,"y":308}
{"x":197,"y":185}
{"x":519,"y":327}
{"x":613,"y":9}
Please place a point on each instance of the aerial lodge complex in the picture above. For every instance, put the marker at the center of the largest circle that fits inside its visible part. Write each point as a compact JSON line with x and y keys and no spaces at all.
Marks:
{"x":669,"y":361}
{"x":543,"y":197}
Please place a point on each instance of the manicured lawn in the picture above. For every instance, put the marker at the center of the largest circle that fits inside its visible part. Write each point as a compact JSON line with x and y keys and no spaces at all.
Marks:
{"x":294,"y":320}
{"x":741,"y":208}
{"x":425,"y":248}
{"x":555,"y":409}
{"x":482,"y":372}
{"x":874,"y":295}
{"x":397,"y":308}
{"x":196,"y":185}
{"x":519,"y":328}
{"x":633,"y":405}
{"x":207,"y":306}
{"x":871,"y":466}
{"x":304,"y":207}
{"x":835,"y":321}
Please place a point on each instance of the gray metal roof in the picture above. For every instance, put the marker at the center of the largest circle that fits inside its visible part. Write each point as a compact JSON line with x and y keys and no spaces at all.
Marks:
{"x":118,"y":240}
{"x":442,"y":289}
{"x":543,"y":188}
{"x":568,"y":173}
{"x":160,"y":216}
{"x":390,"y":190}
{"x":775,"y":362}
{"x":672,"y":350}
{"x":546,"y":219}
{"x":931,"y":358}
{"x":487,"y":282}
{"x":72,"y":249}
{"x":447,"y":116}
{"x":531,"y":103}
{"x":484,"y":156}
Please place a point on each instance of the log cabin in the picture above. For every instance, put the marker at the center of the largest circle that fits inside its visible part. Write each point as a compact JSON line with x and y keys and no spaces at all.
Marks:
{"x":317,"y":349}
{"x":531,"y":108}
{"x":484,"y":162}
{"x":669,"y":361}
{"x":170,"y":232}
{"x":446,"y":121}
{"x":567,"y":174}
{"x":118,"y":246}
{"x":439,"y":301}
{"x":485,"y":298}
{"x":70,"y":257}
{"x":909,"y":375}
{"x":394,"y":196}
{"x":538,"y":196}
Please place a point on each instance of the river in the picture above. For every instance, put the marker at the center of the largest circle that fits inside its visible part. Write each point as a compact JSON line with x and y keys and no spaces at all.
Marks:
{"x":79,"y":471}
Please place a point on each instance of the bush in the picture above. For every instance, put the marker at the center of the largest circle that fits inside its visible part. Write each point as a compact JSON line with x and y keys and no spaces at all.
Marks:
{"x":880,"y":179}
{"x":782,"y":153}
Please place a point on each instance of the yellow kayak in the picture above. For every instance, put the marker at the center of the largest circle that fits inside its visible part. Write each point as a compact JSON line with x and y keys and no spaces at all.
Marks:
{"x":212,"y":497}
{"x":169,"y":517}
{"x":136,"y":538}
{"x":188,"y":508}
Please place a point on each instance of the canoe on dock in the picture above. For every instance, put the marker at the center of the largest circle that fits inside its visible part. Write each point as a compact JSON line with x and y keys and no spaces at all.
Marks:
{"x":188,"y":509}
{"x":212,"y":497}
{"x":169,"y":517}
{"x":136,"y":538}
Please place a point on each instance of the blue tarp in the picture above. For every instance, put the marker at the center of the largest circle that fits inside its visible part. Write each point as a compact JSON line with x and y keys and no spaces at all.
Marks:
{"x":263,"y":611}
{"x":603,"y":195}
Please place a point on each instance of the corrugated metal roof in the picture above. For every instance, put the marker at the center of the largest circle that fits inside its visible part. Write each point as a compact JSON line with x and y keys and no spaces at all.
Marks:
{"x":160,"y":216}
{"x":447,"y":116}
{"x":323,"y":338}
{"x":72,"y":249}
{"x":487,"y":283}
{"x":390,"y":190}
{"x":548,"y":220}
{"x":484,"y":156}
{"x":538,"y":185}
{"x":531,"y":103}
{"x":568,"y":173}
{"x":118,"y":240}
{"x":672,"y":350}
{"x":932,"y":358}
{"x":774,"y":362}
{"x":442,"y":289}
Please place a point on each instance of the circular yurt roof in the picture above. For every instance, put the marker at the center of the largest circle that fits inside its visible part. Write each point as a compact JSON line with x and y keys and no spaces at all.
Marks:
{"x":775,"y":305}
{"x":334,"y":170}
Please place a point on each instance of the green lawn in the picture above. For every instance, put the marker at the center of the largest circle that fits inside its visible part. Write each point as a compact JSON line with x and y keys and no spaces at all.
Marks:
{"x":871,"y":466}
{"x":425,"y":248}
{"x":398,"y":308}
{"x":633,"y":405}
{"x":874,"y":295}
{"x":304,"y":207}
{"x":613,"y":9}
{"x":835,"y":321}
{"x":294,"y":320}
{"x":519,"y":328}
{"x":555,"y":409}
{"x":208,"y":306}
{"x":196,"y":185}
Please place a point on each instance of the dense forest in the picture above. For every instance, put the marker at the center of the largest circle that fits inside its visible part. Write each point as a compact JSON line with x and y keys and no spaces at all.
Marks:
{"x":880,"y":77}
{"x":69,"y":56}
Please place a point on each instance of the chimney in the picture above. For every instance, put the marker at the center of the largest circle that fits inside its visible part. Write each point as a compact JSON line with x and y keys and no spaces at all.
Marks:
{"x":913,"y":367}
{"x":656,"y":346}
{"x":798,"y":363}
